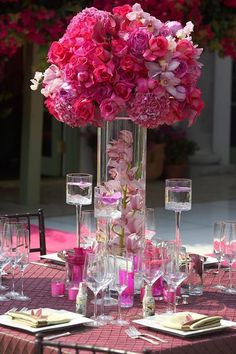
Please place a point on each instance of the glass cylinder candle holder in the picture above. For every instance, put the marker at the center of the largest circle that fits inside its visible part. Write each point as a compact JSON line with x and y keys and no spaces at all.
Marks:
{"x":57,"y":287}
{"x":127,"y":296}
{"x":73,"y":289}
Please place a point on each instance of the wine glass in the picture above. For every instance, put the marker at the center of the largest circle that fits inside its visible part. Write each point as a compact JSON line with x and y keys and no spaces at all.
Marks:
{"x":88,"y":227}
{"x":23,"y":252}
{"x":78,"y":193}
{"x":4,"y":256}
{"x":96,"y":277}
{"x":12,"y":232}
{"x":107,"y":206}
{"x":218,"y":231}
{"x":152,"y":262}
{"x":228,"y":242}
{"x":174,"y":274}
{"x":150,"y":224}
{"x":122,"y":266}
{"x":178,"y":197}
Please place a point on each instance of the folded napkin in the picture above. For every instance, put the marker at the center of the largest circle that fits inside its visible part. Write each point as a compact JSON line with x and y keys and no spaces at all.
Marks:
{"x":190,"y":321}
{"x":37,"y":318}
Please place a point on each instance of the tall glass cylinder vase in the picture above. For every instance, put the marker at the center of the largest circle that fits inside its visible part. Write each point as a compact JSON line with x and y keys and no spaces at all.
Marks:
{"x":121,"y":168}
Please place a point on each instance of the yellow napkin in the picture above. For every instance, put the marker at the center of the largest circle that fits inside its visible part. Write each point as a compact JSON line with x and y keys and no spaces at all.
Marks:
{"x":36,"y":318}
{"x":190,"y":321}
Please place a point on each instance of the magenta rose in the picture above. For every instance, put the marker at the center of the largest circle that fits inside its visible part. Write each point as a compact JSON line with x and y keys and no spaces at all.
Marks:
{"x":158,"y":47}
{"x":84,"y":109}
{"x":122,"y":10}
{"x":138,"y":41}
{"x":103,"y":72}
{"x":128,"y":63}
{"x":185,"y":48}
{"x":58,"y":54}
{"x":109,"y":109}
{"x":194,"y":99}
{"x":123,"y":90}
{"x":119,"y":47}
{"x":99,"y":92}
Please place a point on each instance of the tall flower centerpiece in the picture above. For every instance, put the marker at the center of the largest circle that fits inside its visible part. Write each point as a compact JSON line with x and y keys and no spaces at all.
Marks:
{"x":123,"y":63}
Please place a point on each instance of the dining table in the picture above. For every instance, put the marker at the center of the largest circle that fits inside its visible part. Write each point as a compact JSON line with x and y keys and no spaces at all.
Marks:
{"x":37,"y":285}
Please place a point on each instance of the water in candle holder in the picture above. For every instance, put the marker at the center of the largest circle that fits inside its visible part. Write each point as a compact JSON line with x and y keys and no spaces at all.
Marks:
{"x":79,"y":193}
{"x":178,"y":198}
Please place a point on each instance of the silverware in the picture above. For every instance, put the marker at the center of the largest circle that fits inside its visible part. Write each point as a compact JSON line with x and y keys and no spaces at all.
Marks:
{"x":135,"y":336}
{"x":135,"y":331}
{"x":57,"y":336}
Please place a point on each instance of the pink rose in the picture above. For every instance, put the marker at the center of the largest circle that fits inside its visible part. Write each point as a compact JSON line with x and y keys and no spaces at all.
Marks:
{"x":109,"y":109}
{"x":158,"y":47}
{"x":102,"y":54}
{"x":122,"y":10}
{"x":49,"y":103}
{"x":128,"y":63}
{"x":104,"y":72}
{"x":186,"y":48}
{"x":101,"y":91}
{"x":138,"y":41}
{"x":194,"y":99}
{"x":119,"y":47}
{"x":58,"y":54}
{"x":123,"y":90}
{"x":84,"y":109}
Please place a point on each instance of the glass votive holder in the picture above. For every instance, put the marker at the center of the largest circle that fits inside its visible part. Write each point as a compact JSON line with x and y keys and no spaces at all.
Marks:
{"x":57,"y":287}
{"x":73,"y":289}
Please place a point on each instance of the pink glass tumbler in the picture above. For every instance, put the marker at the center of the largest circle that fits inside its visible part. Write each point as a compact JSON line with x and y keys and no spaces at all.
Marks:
{"x":75,"y":264}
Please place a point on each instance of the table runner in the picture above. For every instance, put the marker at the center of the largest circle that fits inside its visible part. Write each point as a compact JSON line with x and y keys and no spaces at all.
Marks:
{"x":37,"y":286}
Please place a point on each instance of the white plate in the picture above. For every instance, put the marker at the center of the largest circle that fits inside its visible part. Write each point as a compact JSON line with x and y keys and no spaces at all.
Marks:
{"x":210,"y":260}
{"x":154,"y":322}
{"x":53,"y":257}
{"x":76,"y":319}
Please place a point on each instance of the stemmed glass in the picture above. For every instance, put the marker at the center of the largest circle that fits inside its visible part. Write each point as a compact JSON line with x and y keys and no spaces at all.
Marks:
{"x":150,"y":224}
{"x":228,"y":241}
{"x":152,"y":262}
{"x":23,"y":251}
{"x":174,"y":274}
{"x":12,"y":232}
{"x":4,"y":256}
{"x":122,"y":266}
{"x":78,"y":193}
{"x":178,"y":197}
{"x":96,"y":277}
{"x":107,"y":206}
{"x":88,"y":229}
{"x":218,"y":231}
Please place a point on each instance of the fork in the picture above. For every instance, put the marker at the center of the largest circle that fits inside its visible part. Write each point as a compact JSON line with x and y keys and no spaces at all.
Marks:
{"x":135,"y":331}
{"x":135,"y":336}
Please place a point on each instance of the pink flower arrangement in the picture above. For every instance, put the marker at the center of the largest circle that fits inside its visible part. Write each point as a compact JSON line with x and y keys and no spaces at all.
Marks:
{"x":125,"y":61}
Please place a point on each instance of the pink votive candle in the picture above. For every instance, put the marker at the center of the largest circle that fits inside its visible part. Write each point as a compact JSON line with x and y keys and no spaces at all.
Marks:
{"x":57,"y":288}
{"x":73,"y":291}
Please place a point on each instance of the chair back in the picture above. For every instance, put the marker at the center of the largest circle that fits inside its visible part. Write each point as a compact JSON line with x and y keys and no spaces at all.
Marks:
{"x":60,"y":347}
{"x":29,"y":220}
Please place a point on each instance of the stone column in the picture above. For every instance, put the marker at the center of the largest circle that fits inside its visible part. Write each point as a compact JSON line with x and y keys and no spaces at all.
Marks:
{"x":31,"y":139}
{"x":214,"y":122}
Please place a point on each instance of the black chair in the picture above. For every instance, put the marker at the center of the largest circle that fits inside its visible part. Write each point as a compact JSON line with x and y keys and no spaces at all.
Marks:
{"x":60,"y":347}
{"x":36,"y":218}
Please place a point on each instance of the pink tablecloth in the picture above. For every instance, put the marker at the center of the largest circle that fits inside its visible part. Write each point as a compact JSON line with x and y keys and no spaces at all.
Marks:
{"x":37,"y":286}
